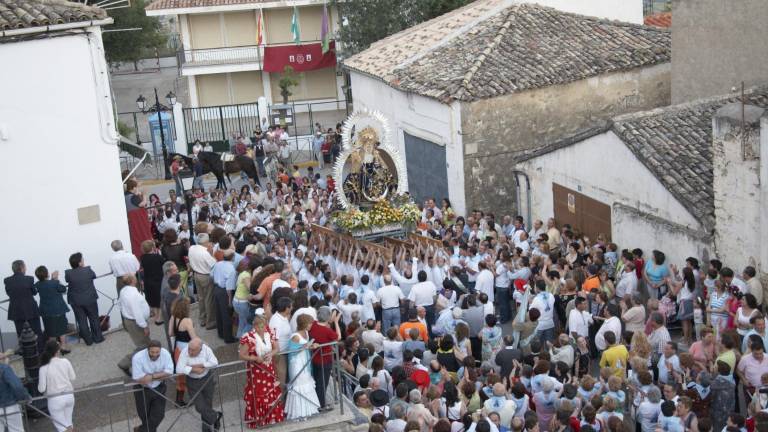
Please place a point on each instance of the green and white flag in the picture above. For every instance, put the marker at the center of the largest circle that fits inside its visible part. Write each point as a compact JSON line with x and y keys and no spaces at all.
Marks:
{"x":295,"y":30}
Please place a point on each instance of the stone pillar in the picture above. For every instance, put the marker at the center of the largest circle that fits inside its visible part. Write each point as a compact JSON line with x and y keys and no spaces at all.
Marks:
{"x":736,"y":184}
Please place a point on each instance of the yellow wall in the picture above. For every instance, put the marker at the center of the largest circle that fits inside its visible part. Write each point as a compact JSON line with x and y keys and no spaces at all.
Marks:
{"x":317,"y":84}
{"x":229,"y":88}
{"x":205,"y":31}
{"x":247,"y":87}
{"x":277,"y":23}
{"x":240,"y":28}
{"x":212,"y":89}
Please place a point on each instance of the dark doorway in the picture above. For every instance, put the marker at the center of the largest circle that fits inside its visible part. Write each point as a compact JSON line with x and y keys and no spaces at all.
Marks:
{"x":427,"y":172}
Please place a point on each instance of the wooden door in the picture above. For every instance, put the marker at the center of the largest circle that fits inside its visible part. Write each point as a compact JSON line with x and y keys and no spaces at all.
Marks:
{"x":586,"y":215}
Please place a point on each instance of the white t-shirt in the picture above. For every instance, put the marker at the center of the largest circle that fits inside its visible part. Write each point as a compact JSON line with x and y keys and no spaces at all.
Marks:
{"x":545,"y":303}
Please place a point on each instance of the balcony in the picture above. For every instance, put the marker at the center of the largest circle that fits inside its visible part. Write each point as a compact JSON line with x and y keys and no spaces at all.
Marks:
{"x":202,"y":60}
{"x":226,"y":59}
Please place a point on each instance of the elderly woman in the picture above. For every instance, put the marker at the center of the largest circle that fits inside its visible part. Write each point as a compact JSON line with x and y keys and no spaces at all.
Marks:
{"x":262,"y":388}
{"x":53,"y":309}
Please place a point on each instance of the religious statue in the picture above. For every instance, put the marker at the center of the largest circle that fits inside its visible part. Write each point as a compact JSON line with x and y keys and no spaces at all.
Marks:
{"x":370,"y":178}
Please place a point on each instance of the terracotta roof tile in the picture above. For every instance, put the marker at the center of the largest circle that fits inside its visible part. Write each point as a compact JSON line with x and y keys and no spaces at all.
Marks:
{"x":675,"y":144}
{"x":492,"y":50}
{"x":662,"y":19}
{"x":17,"y":14}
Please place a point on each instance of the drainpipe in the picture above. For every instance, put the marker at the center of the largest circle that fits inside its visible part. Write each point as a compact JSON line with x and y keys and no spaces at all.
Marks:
{"x":527,"y":193}
{"x":55,"y":27}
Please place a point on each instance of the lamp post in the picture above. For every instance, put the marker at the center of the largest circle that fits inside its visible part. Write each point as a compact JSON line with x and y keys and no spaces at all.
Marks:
{"x":187,"y":184}
{"x":158,"y":108}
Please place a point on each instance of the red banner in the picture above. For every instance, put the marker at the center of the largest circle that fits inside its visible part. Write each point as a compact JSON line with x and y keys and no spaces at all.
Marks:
{"x":300,"y":57}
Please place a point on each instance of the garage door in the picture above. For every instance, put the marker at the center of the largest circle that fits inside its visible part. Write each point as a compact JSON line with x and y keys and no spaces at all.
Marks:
{"x":427,"y":175}
{"x":584,"y":214}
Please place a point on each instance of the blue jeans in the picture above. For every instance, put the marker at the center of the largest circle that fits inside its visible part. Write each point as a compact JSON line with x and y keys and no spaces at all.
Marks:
{"x":197,"y":183}
{"x":502,"y":297}
{"x":260,"y":164}
{"x":390,"y":318}
{"x":244,"y":317}
{"x":547,"y":335}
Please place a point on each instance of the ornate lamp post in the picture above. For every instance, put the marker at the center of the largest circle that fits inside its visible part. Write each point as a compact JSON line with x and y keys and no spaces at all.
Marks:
{"x":158,"y":108}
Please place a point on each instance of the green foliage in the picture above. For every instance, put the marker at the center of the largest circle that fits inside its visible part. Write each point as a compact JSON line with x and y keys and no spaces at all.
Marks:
{"x":287,"y":80}
{"x":129,"y":46}
{"x":125,"y":130}
{"x":370,"y":20}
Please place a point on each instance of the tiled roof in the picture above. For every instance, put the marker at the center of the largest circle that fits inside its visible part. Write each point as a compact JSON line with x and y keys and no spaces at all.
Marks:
{"x":675,"y":144}
{"x":662,"y":19}
{"x":17,"y":14}
{"x":484,"y":50}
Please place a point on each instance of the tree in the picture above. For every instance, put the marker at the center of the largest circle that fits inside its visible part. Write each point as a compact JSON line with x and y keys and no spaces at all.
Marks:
{"x":130,"y":45}
{"x":288,"y":79}
{"x":366,"y":21}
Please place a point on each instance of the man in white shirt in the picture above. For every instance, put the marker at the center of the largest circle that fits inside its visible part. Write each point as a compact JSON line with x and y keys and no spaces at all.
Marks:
{"x":349,"y":307}
{"x":484,"y":283}
{"x":122,"y":263}
{"x":150,"y":367}
{"x":201,"y":262}
{"x":627,"y":285}
{"x":423,"y":295}
{"x":196,"y":361}
{"x":135,"y":312}
{"x":280,"y":325}
{"x":579,"y":319}
{"x":389,"y":297}
{"x":407,"y":279}
{"x":366,"y":298}
{"x":373,"y":336}
{"x":537,"y":230}
{"x":545,"y":303}
{"x":669,"y":363}
{"x":612,"y":323}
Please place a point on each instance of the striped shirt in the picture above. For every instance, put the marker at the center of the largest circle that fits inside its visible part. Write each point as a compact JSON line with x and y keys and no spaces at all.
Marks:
{"x":717,"y":302}
{"x":659,"y":339}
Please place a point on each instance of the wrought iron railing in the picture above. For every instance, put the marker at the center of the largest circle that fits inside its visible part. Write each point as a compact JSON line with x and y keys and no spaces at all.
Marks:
{"x":114,"y":406}
{"x":227,"y":55}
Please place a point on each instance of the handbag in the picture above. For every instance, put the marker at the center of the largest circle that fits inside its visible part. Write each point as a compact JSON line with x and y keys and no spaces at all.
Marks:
{"x":104,"y":323}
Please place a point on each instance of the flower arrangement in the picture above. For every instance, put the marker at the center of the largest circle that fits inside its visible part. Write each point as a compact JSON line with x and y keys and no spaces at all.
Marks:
{"x":398,"y":211}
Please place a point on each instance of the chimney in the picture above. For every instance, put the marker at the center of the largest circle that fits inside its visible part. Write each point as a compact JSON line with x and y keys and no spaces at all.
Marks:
{"x":736,"y":182}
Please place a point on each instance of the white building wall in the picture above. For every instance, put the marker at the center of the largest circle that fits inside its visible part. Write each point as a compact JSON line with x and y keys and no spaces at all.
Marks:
{"x":622,"y":10}
{"x":59,"y":154}
{"x":603,"y":168}
{"x":419,"y":116}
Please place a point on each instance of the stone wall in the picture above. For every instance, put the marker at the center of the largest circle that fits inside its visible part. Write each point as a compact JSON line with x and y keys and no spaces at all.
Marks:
{"x":496,"y":131}
{"x":716,"y":45}
{"x":736,"y":184}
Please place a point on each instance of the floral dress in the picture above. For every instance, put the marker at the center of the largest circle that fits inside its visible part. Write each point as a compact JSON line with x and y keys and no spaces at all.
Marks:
{"x":262,"y":389}
{"x":491,"y":342}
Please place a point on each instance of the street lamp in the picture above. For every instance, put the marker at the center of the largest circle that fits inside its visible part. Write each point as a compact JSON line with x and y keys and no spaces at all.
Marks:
{"x":141,"y":103}
{"x":187,"y":185}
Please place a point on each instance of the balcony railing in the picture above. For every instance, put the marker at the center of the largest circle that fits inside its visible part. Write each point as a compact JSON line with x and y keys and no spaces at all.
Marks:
{"x":228,"y":55}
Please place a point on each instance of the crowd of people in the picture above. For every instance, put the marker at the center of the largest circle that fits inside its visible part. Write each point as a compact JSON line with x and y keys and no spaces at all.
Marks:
{"x":502,"y":327}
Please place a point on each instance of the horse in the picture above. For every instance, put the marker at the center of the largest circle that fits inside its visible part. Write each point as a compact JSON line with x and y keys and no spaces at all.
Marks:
{"x":212,"y":163}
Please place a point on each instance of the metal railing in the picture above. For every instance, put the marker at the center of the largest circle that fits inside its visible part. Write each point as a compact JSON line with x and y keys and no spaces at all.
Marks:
{"x":228,"y":55}
{"x":115,"y":406}
{"x":221,"y":56}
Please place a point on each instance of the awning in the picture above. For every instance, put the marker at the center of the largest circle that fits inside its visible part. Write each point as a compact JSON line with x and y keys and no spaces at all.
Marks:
{"x":300,"y":57}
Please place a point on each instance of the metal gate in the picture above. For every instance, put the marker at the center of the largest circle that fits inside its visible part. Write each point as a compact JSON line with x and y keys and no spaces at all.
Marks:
{"x":217,"y":124}
{"x":586,"y":215}
{"x":427,"y":171}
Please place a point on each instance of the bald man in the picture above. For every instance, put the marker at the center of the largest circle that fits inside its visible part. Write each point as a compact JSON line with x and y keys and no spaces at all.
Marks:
{"x":196,"y":362}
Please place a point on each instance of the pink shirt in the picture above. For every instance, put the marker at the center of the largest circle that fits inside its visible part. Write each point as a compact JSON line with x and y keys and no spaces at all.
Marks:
{"x":753,"y":369}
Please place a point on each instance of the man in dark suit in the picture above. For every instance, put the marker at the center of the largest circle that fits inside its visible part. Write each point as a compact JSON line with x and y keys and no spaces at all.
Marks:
{"x":83,"y":299}
{"x":506,"y":357}
{"x":22,"y":307}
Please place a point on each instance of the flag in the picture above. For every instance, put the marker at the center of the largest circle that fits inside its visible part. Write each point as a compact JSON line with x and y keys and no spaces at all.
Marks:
{"x":260,"y":29}
{"x":325,"y":34}
{"x":295,"y":31}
